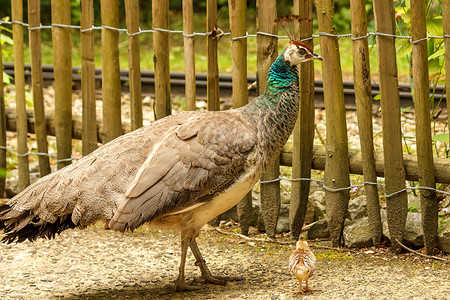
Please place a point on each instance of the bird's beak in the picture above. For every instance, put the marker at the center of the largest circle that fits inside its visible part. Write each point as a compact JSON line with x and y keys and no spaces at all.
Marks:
{"x":315,"y":56}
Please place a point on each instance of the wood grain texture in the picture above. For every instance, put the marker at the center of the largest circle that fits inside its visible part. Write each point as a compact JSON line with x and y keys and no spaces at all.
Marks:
{"x":34,"y":18}
{"x":134,"y":63}
{"x":89,"y":136}
{"x":304,"y":130}
{"x":19,"y":79}
{"x":428,"y":200}
{"x":111,"y":93}
{"x":336,"y":170}
{"x":363,"y":98}
{"x":160,"y":19}
{"x":189,"y":55}
{"x":396,"y":206}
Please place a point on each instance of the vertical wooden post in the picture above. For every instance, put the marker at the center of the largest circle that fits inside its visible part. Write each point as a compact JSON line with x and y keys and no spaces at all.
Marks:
{"x":266,"y":47}
{"x":337,"y":164}
{"x":397,"y":205}
{"x":89,"y":134}
{"x":112,"y":119}
{"x":2,"y":130}
{"x":34,"y":17}
{"x":134,"y":60}
{"x":363,"y":97}
{"x":428,"y":200}
{"x":189,"y":55}
{"x":302,"y":152}
{"x":62,"y":64}
{"x":212,"y":79}
{"x":19,"y":80}
{"x":238,"y":25}
{"x":160,"y":17}
{"x":446,"y":25}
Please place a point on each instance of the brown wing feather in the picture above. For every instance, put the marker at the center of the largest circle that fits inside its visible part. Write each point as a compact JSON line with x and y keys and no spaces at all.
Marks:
{"x":86,"y":191}
{"x":199,"y":159}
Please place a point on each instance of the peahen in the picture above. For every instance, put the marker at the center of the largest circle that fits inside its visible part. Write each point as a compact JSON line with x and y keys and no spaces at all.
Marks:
{"x":178,"y":172}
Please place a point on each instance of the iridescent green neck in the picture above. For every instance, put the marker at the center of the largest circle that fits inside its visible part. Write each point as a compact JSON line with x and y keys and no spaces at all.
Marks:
{"x":281,"y":75}
{"x":281,"y":78}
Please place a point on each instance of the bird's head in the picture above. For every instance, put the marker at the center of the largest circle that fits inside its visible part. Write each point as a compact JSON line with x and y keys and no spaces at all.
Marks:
{"x":302,"y":245}
{"x":297,"y":52}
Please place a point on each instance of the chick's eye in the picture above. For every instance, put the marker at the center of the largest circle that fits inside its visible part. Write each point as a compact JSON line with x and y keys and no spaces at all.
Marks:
{"x":301,"y":51}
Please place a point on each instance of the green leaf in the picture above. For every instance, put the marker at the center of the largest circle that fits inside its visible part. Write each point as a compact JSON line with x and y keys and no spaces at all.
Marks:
{"x":29,"y":99}
{"x":6,"y":78}
{"x":434,"y":67}
{"x":403,"y":47}
{"x":2,"y":172}
{"x":406,"y":109}
{"x":434,"y":27}
{"x":377,"y":97}
{"x":436,"y":54}
{"x":6,"y":39}
{"x":441,"y":137}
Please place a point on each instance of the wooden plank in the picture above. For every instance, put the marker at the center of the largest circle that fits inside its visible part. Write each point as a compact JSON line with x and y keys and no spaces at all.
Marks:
{"x":189,"y":55}
{"x":134,"y":60}
{"x":34,"y":18}
{"x":2,"y":130}
{"x":212,"y":78}
{"x":111,"y":71}
{"x":363,"y":98}
{"x":428,"y":200}
{"x":304,"y":129}
{"x":266,"y":49}
{"x":160,"y":16}
{"x":397,"y":205}
{"x":336,"y":170}
{"x":89,"y":140}
{"x":62,"y":63}
{"x":238,"y":26}
{"x":19,"y":80}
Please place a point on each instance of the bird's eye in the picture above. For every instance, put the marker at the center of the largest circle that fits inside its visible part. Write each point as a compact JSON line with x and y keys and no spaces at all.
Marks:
{"x":301,"y":51}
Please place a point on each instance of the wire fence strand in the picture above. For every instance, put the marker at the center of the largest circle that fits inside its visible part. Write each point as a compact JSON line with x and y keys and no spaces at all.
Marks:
{"x":247,"y":35}
{"x":355,"y":186}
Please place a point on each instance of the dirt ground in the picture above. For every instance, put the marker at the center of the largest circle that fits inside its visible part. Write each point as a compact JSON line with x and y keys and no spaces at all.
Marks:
{"x":98,"y":264}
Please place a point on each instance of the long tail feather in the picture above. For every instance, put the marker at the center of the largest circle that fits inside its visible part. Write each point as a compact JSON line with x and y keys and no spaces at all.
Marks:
{"x":28,"y":226}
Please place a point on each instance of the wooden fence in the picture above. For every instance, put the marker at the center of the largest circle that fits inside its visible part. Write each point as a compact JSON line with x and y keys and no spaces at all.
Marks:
{"x":336,"y":159}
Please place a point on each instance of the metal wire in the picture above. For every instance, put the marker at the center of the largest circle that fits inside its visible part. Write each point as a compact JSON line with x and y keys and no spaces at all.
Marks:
{"x":38,"y":154}
{"x":352,"y":186}
{"x":247,"y":35}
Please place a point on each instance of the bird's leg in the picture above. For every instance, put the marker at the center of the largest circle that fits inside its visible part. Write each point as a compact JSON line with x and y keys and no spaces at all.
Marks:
{"x":206,"y":273}
{"x":307,"y":289}
{"x":180,"y":284}
{"x":300,"y":290}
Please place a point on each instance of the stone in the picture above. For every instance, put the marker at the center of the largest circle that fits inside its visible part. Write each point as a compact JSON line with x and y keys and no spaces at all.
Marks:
{"x":413,"y":235}
{"x":317,"y":200}
{"x":283,"y":218}
{"x":357,"y":234}
{"x":357,"y":208}
{"x":444,"y":238}
{"x":319,"y":230}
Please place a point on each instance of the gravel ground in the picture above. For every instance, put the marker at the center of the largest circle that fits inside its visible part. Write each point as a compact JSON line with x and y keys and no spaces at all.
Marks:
{"x":98,"y":264}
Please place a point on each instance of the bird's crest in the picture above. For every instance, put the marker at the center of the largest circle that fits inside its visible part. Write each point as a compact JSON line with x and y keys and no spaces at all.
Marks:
{"x":288,"y":25}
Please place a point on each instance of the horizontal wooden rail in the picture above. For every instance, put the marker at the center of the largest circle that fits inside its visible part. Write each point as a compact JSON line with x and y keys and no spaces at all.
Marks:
{"x":441,"y":165}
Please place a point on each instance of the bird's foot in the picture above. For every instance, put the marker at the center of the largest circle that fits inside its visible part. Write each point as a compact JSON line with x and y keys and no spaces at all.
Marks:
{"x":218,"y":279}
{"x":181,"y":285}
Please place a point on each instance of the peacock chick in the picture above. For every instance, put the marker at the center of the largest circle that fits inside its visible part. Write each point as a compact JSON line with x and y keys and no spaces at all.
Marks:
{"x":302,"y":264}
